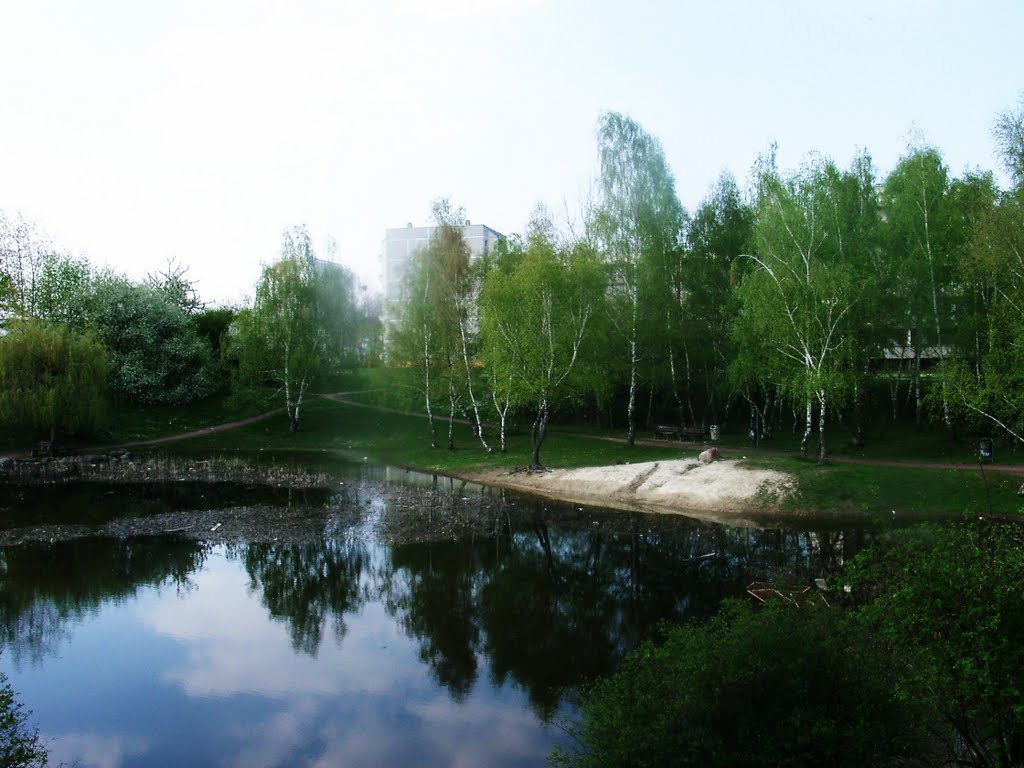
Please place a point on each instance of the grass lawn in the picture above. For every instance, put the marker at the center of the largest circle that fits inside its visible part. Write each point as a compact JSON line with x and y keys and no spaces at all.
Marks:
{"x":403,"y":440}
{"x":125,"y":423}
{"x":905,"y":491}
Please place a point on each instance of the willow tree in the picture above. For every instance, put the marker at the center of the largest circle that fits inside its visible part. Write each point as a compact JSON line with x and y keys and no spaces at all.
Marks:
{"x":536,"y":319}
{"x":51,"y":378}
{"x":638,"y":224}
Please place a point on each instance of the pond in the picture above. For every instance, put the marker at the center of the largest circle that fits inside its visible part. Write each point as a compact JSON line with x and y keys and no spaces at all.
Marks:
{"x":390,"y":619}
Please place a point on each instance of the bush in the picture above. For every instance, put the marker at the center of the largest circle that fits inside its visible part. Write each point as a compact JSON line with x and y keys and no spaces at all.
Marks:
{"x":156,"y":355}
{"x":19,"y":744}
{"x":775,"y":686}
{"x":950,"y":606}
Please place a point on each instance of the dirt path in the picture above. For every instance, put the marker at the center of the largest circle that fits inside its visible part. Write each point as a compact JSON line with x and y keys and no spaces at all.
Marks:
{"x":225,"y":427}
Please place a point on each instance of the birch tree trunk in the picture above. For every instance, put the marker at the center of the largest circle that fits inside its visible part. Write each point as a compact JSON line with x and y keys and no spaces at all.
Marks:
{"x":822,"y":448}
{"x":631,"y":409}
{"x":502,"y":411}
{"x":537,"y":434}
{"x":426,"y":387}
{"x":451,"y":411}
{"x":808,"y":427}
{"x":478,"y":423}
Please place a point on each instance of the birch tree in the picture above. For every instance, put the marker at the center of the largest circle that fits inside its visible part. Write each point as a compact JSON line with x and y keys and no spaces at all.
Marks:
{"x":536,"y":319}
{"x":638,"y":224}
{"x":918,"y":215}
{"x":987,"y":382}
{"x":799,"y":296}
{"x":435,"y":324}
{"x":290,"y":334}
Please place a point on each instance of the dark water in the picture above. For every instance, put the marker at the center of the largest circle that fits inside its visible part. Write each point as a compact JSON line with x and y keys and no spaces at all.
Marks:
{"x":350,"y":644}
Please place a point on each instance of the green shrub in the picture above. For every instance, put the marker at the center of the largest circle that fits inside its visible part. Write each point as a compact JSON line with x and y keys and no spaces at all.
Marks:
{"x":771,"y":686}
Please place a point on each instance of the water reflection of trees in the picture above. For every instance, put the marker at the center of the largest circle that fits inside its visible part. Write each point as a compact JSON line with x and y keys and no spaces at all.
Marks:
{"x":549,"y":596}
{"x":432,"y":591}
{"x":555,"y":597}
{"x":45,"y":587}
{"x":306,"y":584}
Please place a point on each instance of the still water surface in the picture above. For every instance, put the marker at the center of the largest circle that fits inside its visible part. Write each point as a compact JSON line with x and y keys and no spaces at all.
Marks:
{"x":349,"y":643}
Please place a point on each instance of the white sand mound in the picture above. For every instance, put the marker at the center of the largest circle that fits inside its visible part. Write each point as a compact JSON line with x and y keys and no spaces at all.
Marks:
{"x":722,"y":489}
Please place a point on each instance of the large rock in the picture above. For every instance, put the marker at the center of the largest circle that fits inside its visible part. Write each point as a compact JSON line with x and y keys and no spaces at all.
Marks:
{"x":711,"y":454}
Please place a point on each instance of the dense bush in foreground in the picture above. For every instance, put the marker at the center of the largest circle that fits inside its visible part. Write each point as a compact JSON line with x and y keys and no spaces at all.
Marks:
{"x":925,"y":665}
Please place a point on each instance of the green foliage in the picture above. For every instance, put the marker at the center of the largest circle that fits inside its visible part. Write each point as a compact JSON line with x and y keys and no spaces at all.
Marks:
{"x":213,"y":324}
{"x":720,"y":231}
{"x":20,"y":746}
{"x":293,"y":332}
{"x":951,"y":609}
{"x":1008,"y":132}
{"x":986,"y":380}
{"x":155,"y":354}
{"x":434,"y":330}
{"x":638,"y":225}
{"x":779,"y":686}
{"x":797,"y":327}
{"x":51,"y":378}
{"x":924,"y":664}
{"x":538,"y":326}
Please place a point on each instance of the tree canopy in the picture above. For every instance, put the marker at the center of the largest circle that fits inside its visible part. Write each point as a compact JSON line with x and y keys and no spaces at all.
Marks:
{"x":293,"y":332}
{"x":51,"y":378}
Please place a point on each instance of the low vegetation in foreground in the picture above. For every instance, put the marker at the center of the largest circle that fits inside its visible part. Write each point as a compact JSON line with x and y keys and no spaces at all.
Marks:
{"x":919,"y":664}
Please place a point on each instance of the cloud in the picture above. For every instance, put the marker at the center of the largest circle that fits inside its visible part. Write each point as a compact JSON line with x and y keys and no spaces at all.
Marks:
{"x":93,"y":750}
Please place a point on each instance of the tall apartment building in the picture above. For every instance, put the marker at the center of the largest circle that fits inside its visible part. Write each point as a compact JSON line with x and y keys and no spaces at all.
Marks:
{"x":402,"y":242}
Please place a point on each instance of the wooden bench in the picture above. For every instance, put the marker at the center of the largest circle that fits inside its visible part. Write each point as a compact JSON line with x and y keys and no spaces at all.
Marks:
{"x":664,"y":432}
{"x":667,"y":432}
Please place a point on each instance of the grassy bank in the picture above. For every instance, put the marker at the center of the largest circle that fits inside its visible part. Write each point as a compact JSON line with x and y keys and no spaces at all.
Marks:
{"x":402,"y":439}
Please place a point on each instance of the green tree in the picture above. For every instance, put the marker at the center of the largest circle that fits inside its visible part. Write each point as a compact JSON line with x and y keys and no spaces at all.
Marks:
{"x":155,"y":353}
{"x":175,"y":285}
{"x":720,"y":231}
{"x":435,"y":323}
{"x":1008,"y":132}
{"x":537,"y":322}
{"x":36,"y":280}
{"x":920,"y":236}
{"x":797,"y":300}
{"x":51,"y":378}
{"x":292,"y":333}
{"x":639,"y":224}
{"x":987,"y":379}
{"x":20,"y":746}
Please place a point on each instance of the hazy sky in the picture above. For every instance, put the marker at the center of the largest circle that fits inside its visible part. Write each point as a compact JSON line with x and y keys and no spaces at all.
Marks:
{"x":137,"y":131}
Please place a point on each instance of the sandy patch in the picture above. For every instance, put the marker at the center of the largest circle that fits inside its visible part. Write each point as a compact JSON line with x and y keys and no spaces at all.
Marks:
{"x":721,"y":490}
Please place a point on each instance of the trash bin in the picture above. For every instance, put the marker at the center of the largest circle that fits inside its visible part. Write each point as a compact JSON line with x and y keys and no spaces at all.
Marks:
{"x":715,"y":433}
{"x":985,"y":450}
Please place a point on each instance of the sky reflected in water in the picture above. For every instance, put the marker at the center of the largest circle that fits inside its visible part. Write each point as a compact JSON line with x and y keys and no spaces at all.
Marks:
{"x":345,"y":649}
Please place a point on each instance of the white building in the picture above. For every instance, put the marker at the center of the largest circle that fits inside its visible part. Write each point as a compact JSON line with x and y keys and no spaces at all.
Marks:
{"x":401,"y":243}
